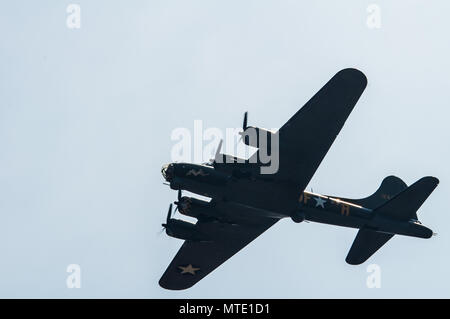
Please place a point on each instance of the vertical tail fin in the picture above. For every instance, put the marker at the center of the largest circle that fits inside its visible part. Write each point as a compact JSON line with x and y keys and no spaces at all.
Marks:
{"x":390,"y":186}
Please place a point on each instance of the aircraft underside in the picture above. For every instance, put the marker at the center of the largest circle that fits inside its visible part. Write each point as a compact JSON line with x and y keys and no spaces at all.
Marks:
{"x":246,"y":200}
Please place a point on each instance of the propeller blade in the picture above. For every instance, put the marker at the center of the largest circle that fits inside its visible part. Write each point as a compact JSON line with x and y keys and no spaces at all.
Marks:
{"x":217,"y":156}
{"x":244,"y":124}
{"x":169,"y":213}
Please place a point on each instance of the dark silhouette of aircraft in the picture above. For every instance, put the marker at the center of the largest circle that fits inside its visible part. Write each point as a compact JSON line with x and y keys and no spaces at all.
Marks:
{"x":245,"y":203}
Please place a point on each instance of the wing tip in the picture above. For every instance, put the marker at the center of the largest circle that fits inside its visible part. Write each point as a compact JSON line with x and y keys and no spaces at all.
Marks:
{"x":354,"y":261}
{"x":354,"y":75}
{"x":171,"y":287}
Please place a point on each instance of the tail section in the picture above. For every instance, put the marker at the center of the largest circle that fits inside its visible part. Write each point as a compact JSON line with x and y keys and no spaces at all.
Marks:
{"x":390,"y":186}
{"x":396,"y":215}
{"x":404,"y":205}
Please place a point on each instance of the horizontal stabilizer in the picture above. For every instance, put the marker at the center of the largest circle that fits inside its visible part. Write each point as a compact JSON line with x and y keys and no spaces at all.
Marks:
{"x":405,"y":204}
{"x":366,"y":243}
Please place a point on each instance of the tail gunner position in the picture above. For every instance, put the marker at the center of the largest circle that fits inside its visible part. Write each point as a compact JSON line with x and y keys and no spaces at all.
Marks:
{"x":245,"y":202}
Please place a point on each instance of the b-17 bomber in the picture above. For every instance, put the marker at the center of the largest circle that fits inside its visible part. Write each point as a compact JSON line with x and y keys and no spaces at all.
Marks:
{"x":247,"y":198}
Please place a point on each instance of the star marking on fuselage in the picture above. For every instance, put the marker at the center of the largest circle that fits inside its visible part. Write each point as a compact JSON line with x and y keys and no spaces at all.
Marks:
{"x":320,"y":202}
{"x":188,"y":269}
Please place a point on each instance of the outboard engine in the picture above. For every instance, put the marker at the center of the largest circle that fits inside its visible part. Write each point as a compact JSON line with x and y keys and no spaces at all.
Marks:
{"x":257,"y":137}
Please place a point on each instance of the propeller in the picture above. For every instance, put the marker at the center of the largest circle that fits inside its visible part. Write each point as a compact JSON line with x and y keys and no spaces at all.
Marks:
{"x":217,"y":155}
{"x":166,"y":224}
{"x":169,"y":214}
{"x":219,"y":148}
{"x":244,"y":124}
{"x":178,"y":200}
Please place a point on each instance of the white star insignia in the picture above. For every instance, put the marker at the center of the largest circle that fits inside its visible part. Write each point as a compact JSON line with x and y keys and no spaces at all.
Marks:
{"x":320,"y":202}
{"x":188,"y":269}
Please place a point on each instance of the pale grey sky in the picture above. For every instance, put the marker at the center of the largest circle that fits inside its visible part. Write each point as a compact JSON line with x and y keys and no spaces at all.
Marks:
{"x":86,"y":116}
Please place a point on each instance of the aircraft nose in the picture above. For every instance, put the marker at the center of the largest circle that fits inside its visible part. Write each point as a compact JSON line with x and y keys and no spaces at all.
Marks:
{"x":167,"y":172}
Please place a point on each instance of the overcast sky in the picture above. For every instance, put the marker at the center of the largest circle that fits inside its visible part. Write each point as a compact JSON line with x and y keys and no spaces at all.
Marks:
{"x":86,"y":117}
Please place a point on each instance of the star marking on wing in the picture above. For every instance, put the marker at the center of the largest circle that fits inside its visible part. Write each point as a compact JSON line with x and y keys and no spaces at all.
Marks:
{"x":320,"y":202}
{"x":188,"y":269}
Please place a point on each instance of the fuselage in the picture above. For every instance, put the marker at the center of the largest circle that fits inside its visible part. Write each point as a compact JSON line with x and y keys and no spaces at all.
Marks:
{"x":280,"y":200}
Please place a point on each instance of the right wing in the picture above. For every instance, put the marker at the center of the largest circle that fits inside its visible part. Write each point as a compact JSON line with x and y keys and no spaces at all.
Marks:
{"x":308,"y":135}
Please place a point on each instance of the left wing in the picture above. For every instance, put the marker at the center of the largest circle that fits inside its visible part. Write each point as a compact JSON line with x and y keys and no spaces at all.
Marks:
{"x":308,"y":135}
{"x":195,"y":260}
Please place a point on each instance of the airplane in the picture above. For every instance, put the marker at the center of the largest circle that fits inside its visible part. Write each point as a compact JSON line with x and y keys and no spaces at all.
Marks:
{"x":245,"y":203}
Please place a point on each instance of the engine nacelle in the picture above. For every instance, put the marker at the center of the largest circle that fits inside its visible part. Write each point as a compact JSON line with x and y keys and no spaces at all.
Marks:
{"x":193,"y":207}
{"x":184,"y":230}
{"x":258,"y":137}
{"x":298,"y":216}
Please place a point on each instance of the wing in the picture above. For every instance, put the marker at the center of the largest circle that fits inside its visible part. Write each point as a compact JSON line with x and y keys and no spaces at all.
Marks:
{"x":303,"y":142}
{"x":306,"y":138}
{"x":195,"y":260}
